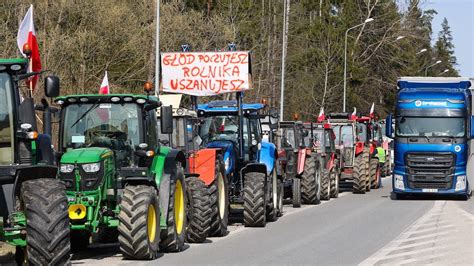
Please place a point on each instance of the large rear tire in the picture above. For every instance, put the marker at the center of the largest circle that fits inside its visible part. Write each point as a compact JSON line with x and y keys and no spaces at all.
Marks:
{"x":374,"y":173}
{"x":254,"y":200}
{"x":199,"y":210}
{"x":296,"y":192}
{"x":311,"y":182}
{"x":325,"y":186}
{"x":47,"y":221}
{"x":334,"y":184}
{"x":172,"y":239}
{"x":139,"y":227}
{"x":219,"y":194}
{"x":359,"y":175}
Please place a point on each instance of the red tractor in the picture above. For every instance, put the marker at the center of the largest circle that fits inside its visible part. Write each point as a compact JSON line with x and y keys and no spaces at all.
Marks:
{"x":297,"y":164}
{"x":205,"y":168}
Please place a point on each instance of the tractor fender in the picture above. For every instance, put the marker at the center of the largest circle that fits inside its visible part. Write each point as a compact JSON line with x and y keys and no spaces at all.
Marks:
{"x":169,"y":173}
{"x":301,"y":161}
{"x":32,"y":172}
{"x":203,"y":164}
{"x":268,"y":156}
{"x":254,"y":167}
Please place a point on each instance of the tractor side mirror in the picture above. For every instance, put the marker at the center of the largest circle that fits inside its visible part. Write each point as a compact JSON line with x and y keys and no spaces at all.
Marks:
{"x":151,"y":105}
{"x":51,"y":86}
{"x":389,"y":129}
{"x":472,"y":127}
{"x":166,"y":119}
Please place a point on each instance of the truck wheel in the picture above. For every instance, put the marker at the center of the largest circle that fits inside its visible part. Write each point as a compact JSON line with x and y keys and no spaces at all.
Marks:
{"x":325,"y":186}
{"x":359,"y":175}
{"x":47,"y":222}
{"x":80,"y":239}
{"x":334,"y":184}
{"x":139,"y":227}
{"x":311,"y":182}
{"x":296,"y":193}
{"x":374,"y":173}
{"x":219,"y":194}
{"x":254,"y":200}
{"x":199,"y":210}
{"x":172,"y":239}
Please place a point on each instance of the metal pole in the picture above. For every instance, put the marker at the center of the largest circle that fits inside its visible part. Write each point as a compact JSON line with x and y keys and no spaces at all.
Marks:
{"x":157,"y":49}
{"x":285,"y":38}
{"x":345,"y":72}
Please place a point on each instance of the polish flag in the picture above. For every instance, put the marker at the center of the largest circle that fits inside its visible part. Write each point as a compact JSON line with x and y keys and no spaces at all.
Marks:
{"x":354,"y":114}
{"x":27,"y":35}
{"x":371,"y":114}
{"x":104,"y":87}
{"x":321,"y":116}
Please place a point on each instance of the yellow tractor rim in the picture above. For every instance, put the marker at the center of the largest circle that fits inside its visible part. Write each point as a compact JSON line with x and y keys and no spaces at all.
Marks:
{"x":221,"y":191}
{"x":179,"y":207}
{"x":151,"y":223}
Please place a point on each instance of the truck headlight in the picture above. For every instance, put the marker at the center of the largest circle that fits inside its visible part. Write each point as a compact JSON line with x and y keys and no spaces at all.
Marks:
{"x":66,"y":168}
{"x":399,"y":182}
{"x":460,"y":183}
{"x":91,"y":167}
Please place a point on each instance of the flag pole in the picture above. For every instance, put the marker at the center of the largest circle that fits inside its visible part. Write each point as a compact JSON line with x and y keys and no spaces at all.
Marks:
{"x":157,"y":49}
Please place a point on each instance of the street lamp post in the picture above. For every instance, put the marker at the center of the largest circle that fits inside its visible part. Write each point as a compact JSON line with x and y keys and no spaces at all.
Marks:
{"x":434,"y":64}
{"x":444,"y":71}
{"x":345,"y":59}
{"x":422,"y":51}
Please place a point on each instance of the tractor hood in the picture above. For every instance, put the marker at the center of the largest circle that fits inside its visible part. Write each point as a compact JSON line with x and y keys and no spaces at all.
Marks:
{"x":86,"y":155}
{"x":229,"y":151}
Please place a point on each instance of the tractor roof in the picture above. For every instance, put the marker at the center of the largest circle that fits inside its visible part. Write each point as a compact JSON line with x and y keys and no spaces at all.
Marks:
{"x":106,"y":98}
{"x":9,"y":61}
{"x":228,"y":106}
{"x":16,"y":65}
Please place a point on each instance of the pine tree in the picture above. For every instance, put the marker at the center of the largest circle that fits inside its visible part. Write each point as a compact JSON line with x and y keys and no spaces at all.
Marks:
{"x":444,"y":51}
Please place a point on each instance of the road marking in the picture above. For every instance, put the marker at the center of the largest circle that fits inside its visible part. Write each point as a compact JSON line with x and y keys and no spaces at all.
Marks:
{"x":444,"y":235}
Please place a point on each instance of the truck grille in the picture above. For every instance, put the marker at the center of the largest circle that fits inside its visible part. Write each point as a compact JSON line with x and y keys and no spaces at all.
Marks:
{"x":430,"y":170}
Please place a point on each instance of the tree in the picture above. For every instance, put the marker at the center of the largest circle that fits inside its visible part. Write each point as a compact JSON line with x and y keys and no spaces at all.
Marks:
{"x":444,"y":51}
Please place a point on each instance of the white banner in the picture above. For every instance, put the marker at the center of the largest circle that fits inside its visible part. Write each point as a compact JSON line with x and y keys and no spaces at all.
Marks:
{"x":205,"y":74}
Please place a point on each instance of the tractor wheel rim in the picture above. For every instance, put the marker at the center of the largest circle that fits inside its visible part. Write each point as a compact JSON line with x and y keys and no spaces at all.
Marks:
{"x":221,"y":191}
{"x":179,"y":207}
{"x":151,"y":223}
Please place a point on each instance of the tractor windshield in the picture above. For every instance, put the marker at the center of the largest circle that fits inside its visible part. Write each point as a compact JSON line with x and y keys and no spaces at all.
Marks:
{"x":288,"y":138}
{"x":6,"y":120}
{"x":114,"y":126}
{"x":223,"y":127}
{"x":344,"y":135}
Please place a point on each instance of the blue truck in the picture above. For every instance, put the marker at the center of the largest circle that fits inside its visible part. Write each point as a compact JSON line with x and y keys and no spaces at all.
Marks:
{"x":433,"y":127}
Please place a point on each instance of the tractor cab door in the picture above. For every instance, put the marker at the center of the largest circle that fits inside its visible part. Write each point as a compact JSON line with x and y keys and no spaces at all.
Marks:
{"x":6,"y":120}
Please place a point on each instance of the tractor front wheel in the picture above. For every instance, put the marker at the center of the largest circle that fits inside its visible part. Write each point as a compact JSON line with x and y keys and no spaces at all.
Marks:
{"x":374,"y":173}
{"x":199,"y":210}
{"x":255,"y":202}
{"x":296,"y":192}
{"x":334,"y":184}
{"x":311,"y":182}
{"x":139,"y":228}
{"x":326,"y":186}
{"x":47,"y":222}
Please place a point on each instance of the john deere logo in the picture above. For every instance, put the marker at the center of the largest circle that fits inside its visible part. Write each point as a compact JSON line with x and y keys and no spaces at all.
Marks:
{"x":457,"y":148}
{"x":418,"y":103}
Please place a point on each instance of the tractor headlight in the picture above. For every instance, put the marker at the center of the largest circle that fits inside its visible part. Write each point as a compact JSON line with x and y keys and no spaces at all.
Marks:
{"x":91,"y":167}
{"x":227,"y":163}
{"x":66,"y":168}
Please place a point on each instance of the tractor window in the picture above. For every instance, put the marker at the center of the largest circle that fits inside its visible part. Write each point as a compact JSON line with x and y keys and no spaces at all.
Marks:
{"x":151,"y":132}
{"x":318,"y":137}
{"x":6,"y":120}
{"x":178,"y":133}
{"x":344,"y":135}
{"x":116,"y":126}
{"x":288,"y":139}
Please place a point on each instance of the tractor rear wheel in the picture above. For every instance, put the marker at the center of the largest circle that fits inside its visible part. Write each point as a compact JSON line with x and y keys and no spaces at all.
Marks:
{"x":311,"y":182}
{"x":199,"y":210}
{"x":139,"y":227}
{"x":359,"y":174}
{"x":296,"y":192}
{"x":326,"y":186}
{"x":219,"y":194}
{"x":255,"y":202}
{"x":374,"y":173}
{"x":172,"y":239}
{"x":47,"y":221}
{"x":334,"y":184}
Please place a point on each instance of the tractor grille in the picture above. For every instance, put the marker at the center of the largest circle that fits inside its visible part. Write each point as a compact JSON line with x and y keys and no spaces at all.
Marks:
{"x":430,"y":170}
{"x":348,"y":157}
{"x":89,"y":181}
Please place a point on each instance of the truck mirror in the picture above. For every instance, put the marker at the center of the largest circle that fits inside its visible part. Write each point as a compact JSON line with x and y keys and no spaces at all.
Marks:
{"x":388,"y":126}
{"x":51,"y":86}
{"x":166,"y":119}
{"x":472,"y":127}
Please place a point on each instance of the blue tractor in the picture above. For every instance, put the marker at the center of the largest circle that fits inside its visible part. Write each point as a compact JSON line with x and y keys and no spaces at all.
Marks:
{"x":250,"y":163}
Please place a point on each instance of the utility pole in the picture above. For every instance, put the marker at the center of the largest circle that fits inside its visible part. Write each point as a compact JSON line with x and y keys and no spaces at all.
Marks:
{"x":286,"y":14}
{"x":157,"y":49}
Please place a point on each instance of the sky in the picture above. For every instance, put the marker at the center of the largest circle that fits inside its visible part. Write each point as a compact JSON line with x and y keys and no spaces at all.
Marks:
{"x":460,"y":15}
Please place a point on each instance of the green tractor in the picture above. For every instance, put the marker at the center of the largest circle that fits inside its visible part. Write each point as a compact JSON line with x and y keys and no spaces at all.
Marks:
{"x":121,"y":182}
{"x":33,"y":205}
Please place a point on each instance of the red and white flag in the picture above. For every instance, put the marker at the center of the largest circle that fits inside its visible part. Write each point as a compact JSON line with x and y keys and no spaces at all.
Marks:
{"x":104,"y":87}
{"x":371,"y":114}
{"x":26,"y":34}
{"x":321,"y":116}
{"x":354,"y":114}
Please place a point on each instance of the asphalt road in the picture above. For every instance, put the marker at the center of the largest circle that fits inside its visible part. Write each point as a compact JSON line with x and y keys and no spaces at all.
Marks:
{"x":353,"y":229}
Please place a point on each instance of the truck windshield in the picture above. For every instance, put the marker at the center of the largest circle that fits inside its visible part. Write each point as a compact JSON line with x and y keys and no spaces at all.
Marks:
{"x":115,"y":126}
{"x":344,"y":135}
{"x":6,"y":120}
{"x":430,"y":126}
{"x":223,"y":127}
